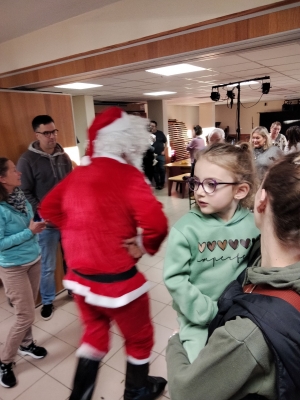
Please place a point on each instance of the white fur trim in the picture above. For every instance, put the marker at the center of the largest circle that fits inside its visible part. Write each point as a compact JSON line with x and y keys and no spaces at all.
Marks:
{"x":110,"y":155}
{"x":105,"y":301}
{"x":90,"y":352}
{"x":120,"y":124}
{"x":85,"y":160}
{"x":135,"y":361}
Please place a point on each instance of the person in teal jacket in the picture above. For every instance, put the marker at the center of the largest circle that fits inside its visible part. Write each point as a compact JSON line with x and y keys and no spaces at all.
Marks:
{"x":19,"y":268}
{"x":209,"y":247}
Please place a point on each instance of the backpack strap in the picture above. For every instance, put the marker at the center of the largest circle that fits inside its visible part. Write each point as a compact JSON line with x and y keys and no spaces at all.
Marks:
{"x":288,"y":295}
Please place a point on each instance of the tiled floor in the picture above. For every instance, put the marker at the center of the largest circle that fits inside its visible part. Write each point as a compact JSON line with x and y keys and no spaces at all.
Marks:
{"x":51,"y":377}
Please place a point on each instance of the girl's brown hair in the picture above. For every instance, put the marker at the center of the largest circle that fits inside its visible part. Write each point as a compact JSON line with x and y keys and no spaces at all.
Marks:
{"x":282,"y":184}
{"x":3,"y":171}
{"x":236,"y":159}
{"x":293,"y":136}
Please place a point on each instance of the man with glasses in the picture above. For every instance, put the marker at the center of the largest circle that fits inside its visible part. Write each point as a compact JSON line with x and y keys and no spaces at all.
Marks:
{"x":43,"y":165}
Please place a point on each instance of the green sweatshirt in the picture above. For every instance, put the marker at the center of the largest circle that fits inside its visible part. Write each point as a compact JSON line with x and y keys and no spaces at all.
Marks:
{"x":204,"y":254}
{"x":236,"y":360}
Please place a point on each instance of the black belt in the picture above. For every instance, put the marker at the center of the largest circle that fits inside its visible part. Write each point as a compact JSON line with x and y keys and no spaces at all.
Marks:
{"x":109,"y":278}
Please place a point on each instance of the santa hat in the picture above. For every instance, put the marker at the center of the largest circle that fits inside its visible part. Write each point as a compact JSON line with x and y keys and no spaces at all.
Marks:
{"x":111,"y":120}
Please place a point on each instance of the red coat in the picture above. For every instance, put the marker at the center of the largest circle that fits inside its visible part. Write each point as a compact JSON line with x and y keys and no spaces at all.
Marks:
{"x":96,"y":208}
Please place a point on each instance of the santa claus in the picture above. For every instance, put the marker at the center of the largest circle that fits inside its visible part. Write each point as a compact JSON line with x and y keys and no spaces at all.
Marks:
{"x":98,"y":207}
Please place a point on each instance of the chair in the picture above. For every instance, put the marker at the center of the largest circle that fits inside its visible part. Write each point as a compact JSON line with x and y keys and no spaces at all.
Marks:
{"x":179,"y":179}
{"x":191,"y":198}
{"x":191,"y":192}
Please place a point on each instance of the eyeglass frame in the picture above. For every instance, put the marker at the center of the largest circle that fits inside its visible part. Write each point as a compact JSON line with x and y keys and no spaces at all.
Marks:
{"x":208,"y":179}
{"x":47,"y":134}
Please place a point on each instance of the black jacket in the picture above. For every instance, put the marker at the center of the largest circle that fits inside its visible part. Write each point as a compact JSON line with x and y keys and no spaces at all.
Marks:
{"x":280,"y":324}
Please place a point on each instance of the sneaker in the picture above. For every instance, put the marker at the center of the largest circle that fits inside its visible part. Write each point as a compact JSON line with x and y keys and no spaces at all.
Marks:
{"x":7,"y":377}
{"x":33,"y":350}
{"x":47,"y":311}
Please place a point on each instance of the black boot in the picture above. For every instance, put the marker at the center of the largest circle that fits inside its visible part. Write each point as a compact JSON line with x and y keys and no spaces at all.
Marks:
{"x":84,"y":381}
{"x":140,"y":386}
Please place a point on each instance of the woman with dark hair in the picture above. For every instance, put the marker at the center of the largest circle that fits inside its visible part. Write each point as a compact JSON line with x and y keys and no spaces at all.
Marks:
{"x":253,"y":349}
{"x":19,"y":268}
{"x":293,"y":137}
{"x":196,"y":144}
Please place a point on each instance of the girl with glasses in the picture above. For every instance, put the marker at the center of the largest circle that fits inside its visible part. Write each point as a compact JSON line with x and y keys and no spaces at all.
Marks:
{"x":209,"y":247}
{"x":253,"y":349}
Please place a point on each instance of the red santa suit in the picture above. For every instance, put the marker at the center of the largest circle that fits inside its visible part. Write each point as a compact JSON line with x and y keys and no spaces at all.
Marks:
{"x":97,"y":207}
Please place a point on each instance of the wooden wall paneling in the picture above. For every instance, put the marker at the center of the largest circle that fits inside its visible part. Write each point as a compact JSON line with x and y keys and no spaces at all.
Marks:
{"x":218,"y":20}
{"x":17,"y":111}
{"x":170,"y":32}
{"x":231,"y":32}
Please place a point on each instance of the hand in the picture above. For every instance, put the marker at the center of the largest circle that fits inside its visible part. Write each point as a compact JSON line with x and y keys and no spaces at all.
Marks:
{"x":133,"y":249}
{"x":36,"y":227}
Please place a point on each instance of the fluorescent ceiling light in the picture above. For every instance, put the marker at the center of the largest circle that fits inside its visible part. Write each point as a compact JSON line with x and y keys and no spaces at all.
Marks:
{"x":244,"y":83}
{"x":291,"y":121}
{"x":175,"y":69}
{"x":78,"y":85}
{"x":159,"y":93}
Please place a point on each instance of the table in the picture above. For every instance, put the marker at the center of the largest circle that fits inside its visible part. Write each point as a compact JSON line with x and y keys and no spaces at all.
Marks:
{"x":178,"y":167}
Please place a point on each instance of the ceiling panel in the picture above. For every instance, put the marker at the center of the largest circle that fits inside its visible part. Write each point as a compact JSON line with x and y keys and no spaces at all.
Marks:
{"x":291,"y":68}
{"x":282,"y":60}
{"x":222,"y":61}
{"x":195,"y":88}
{"x":272,"y":52}
{"x":239,"y":67}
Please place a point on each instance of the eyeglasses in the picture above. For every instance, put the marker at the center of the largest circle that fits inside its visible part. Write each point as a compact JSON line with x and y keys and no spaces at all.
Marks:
{"x":209,"y":185}
{"x":47,"y":134}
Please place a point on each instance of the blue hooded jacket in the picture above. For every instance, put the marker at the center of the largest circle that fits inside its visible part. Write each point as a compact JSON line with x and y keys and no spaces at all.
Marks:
{"x":18,"y":245}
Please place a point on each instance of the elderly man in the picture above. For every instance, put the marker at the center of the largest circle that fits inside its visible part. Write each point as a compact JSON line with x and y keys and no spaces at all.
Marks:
{"x":278,"y":139}
{"x":217,"y":135}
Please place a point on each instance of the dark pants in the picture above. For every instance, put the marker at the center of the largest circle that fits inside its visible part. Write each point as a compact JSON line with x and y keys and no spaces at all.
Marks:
{"x":148,"y":164}
{"x":159,"y":171}
{"x":193,"y":168}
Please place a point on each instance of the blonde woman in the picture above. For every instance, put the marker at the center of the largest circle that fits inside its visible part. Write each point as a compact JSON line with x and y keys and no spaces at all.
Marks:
{"x":264,"y":152}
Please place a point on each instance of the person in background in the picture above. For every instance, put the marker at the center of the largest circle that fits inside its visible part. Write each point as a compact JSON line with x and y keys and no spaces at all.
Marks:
{"x":20,"y":268}
{"x":97,"y":226}
{"x":293,"y":138}
{"x":159,"y":149}
{"x":278,"y":139}
{"x":196,"y":144}
{"x":253,"y":350}
{"x":264,"y":153}
{"x":217,"y":135}
{"x":43,"y":165}
{"x":209,"y":247}
{"x":149,"y":159}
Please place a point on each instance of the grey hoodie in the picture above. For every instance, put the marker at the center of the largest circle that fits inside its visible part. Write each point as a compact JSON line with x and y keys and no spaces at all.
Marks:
{"x":42,"y":171}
